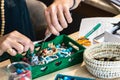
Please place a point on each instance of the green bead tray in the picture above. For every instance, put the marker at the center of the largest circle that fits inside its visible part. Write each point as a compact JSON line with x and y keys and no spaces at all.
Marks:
{"x":75,"y":58}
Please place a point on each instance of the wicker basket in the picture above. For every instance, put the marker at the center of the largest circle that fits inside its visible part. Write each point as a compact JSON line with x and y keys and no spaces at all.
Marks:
{"x":103,"y":60}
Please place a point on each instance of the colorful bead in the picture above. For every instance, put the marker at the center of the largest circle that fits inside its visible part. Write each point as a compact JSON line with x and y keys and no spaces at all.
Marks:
{"x":67,"y":78}
{"x":35,"y":60}
{"x":19,"y":71}
{"x":49,"y":54}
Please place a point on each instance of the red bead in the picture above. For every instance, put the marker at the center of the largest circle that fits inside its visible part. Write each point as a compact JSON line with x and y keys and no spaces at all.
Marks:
{"x":25,"y":74}
{"x":28,"y":73}
{"x":24,"y":59}
{"x":22,"y":78}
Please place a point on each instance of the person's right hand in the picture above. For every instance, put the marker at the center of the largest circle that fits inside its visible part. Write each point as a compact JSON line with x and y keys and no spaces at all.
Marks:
{"x":58,"y":16}
{"x":15,"y":42}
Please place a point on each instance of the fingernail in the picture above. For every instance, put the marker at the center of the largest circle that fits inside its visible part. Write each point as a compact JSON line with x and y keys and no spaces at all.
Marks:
{"x":58,"y":34}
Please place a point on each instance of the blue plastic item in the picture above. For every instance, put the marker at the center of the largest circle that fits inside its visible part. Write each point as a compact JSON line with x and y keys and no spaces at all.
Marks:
{"x":67,"y":77}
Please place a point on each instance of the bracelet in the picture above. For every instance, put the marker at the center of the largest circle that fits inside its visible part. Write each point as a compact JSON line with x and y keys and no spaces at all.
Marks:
{"x":74,"y":2}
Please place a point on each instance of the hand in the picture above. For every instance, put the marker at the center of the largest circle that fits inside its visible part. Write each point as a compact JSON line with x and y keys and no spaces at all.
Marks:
{"x":15,"y":41}
{"x":58,"y":15}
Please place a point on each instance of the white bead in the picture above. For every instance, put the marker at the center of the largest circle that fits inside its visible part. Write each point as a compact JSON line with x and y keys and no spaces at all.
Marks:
{"x":3,"y":21}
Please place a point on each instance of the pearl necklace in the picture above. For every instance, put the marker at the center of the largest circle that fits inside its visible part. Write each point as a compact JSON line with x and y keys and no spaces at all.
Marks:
{"x":2,"y":18}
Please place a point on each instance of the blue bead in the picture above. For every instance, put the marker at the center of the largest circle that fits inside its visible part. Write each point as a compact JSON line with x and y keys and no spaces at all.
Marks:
{"x":49,"y":48}
{"x":63,"y":50}
{"x":70,"y":48}
{"x":41,"y":59}
{"x":66,"y":78}
{"x":67,"y":50}
{"x":58,"y":46}
{"x":26,"y":68}
{"x":61,"y":79}
{"x":32,"y":55}
{"x":19,"y":71}
{"x":58,"y":54}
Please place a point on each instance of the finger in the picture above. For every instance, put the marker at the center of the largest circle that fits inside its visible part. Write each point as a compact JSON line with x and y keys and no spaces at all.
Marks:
{"x":53,"y":30}
{"x":31,"y":47}
{"x":1,"y":52}
{"x":26,"y":48}
{"x":55,"y":22}
{"x":17,"y":46}
{"x":61,"y":17}
{"x":67,"y":15}
{"x":47,"y":15}
{"x":28,"y":44}
{"x":23,"y":40}
{"x":6,"y":47}
{"x":18,"y":37}
{"x":50,"y":26}
{"x":47,"y":32}
{"x":11,"y":51}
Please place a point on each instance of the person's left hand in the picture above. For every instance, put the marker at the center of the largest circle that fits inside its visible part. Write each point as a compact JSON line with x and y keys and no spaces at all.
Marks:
{"x":58,"y":16}
{"x":15,"y":42}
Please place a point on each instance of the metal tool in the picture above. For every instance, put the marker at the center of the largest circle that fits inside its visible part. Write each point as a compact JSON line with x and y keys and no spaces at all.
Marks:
{"x":43,"y":40}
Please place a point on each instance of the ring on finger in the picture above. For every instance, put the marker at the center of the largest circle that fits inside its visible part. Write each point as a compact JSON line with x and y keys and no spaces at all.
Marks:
{"x":9,"y":50}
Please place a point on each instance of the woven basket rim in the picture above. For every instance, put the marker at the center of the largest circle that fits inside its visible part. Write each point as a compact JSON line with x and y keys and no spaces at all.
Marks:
{"x":90,"y":56}
{"x":99,"y":68}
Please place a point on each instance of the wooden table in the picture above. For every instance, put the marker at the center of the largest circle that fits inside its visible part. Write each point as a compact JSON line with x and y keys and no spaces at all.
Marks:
{"x":76,"y":70}
{"x":118,"y":16}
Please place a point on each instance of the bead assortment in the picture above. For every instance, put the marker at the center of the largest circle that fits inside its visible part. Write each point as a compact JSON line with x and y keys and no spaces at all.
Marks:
{"x":49,"y":54}
{"x":19,"y":71}
{"x":72,"y":53}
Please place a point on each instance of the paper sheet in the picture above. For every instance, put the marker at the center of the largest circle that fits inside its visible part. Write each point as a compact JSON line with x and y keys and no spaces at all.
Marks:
{"x":88,"y":23}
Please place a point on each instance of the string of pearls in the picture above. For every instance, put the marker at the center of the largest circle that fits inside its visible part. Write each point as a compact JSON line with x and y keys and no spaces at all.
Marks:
{"x":2,"y":18}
